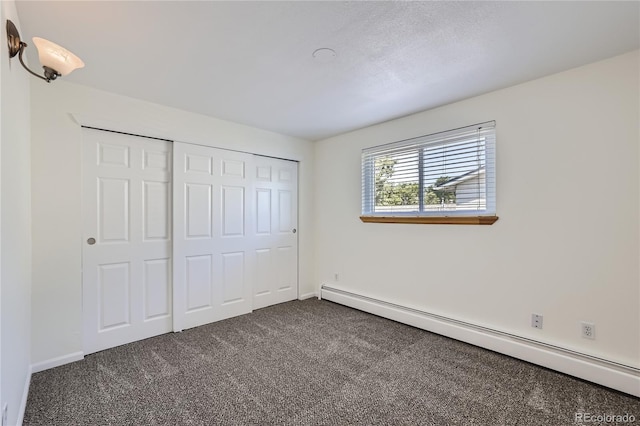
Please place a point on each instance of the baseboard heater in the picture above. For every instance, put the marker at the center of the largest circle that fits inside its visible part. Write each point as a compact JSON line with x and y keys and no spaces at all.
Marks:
{"x":614,"y":375}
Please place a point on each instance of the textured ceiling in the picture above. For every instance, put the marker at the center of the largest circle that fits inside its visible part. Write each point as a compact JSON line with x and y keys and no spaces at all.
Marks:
{"x":251,"y":62}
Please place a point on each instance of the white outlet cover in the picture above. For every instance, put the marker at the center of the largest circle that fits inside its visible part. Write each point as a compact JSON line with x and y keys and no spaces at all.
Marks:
{"x":536,"y":321}
{"x":588,"y":330}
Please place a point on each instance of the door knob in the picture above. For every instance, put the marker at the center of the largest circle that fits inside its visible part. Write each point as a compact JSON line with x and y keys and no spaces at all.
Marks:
{"x":294,"y":230}
{"x":91,"y":241}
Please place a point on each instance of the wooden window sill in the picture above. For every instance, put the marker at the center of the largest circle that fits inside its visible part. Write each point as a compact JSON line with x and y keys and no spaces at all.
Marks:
{"x":435,"y":220}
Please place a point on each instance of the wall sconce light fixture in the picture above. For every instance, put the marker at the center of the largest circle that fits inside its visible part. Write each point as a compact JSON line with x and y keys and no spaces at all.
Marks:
{"x":56,"y":60}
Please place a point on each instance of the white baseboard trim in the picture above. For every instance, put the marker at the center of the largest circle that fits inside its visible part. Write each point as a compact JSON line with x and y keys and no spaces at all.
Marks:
{"x":56,"y":362}
{"x":607,"y":373}
{"x":25,"y":397}
{"x":308,"y":295}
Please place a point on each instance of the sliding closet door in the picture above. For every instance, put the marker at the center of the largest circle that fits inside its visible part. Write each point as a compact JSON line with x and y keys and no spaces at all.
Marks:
{"x":178,"y":235}
{"x":213,"y":260}
{"x":276,"y":237}
{"x":126,"y":247}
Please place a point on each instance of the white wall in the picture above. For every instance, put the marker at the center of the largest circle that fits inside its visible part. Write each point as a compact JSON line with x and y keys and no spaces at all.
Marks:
{"x":567,"y":242}
{"x":56,"y":159}
{"x":15,"y":222}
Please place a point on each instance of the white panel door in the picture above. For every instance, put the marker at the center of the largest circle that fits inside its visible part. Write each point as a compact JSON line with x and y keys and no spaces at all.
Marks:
{"x":275,"y":239}
{"x":213,"y":256}
{"x":126,"y":247}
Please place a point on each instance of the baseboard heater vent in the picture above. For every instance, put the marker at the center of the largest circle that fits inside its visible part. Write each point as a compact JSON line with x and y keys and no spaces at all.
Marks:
{"x":612,"y":374}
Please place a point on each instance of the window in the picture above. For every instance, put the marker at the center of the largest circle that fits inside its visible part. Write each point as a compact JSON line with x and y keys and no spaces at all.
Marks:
{"x":448,"y":174}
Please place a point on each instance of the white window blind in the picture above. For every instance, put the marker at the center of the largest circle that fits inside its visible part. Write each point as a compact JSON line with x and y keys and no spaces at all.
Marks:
{"x":444,"y":174}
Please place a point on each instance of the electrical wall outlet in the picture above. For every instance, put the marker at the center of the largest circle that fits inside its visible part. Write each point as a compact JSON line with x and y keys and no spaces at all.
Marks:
{"x":588,"y":330}
{"x":536,"y":321}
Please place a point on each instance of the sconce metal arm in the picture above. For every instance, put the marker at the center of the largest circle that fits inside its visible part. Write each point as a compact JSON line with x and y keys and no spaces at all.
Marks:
{"x":16,"y":47}
{"x":22,"y":46}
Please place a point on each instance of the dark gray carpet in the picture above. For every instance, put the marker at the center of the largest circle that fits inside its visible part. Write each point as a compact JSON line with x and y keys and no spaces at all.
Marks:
{"x":311,"y":363}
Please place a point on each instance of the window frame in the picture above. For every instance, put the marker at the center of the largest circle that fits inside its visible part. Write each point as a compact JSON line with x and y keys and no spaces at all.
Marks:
{"x":484,"y":216}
